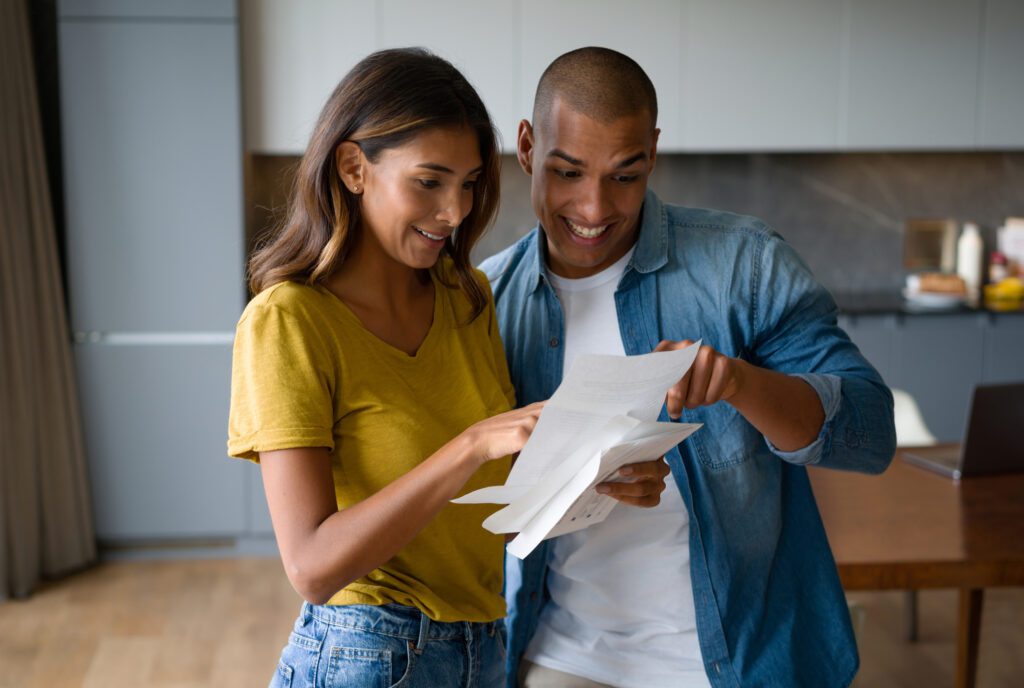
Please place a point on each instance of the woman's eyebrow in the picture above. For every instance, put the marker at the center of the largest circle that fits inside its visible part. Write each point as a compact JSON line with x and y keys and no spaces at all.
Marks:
{"x":441,"y":168}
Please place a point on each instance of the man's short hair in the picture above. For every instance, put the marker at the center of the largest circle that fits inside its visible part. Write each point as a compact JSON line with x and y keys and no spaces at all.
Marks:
{"x":599,"y":82}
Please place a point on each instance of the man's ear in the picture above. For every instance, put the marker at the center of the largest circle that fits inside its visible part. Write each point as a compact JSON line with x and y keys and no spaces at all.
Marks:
{"x":524,"y":146}
{"x":351,"y":164}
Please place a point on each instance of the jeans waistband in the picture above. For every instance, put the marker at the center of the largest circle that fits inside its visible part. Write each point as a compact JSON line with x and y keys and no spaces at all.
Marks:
{"x":397,"y":621}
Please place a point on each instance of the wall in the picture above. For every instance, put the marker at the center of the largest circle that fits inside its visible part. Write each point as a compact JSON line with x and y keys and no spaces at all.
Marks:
{"x":826,"y":205}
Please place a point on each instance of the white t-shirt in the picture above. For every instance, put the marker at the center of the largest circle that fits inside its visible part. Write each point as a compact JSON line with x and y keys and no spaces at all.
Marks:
{"x":621,"y":609}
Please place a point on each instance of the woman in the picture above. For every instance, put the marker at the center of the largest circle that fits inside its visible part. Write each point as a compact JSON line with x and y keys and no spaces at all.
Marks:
{"x":370,"y":383}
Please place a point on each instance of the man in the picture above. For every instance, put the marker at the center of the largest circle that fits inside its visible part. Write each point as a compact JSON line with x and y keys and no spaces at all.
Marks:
{"x":729,"y":581}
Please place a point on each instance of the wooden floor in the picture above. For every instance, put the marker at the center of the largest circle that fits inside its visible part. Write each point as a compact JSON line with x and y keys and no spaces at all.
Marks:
{"x":191,"y":624}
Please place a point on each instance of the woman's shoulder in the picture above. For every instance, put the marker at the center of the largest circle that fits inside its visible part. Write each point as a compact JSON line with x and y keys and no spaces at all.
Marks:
{"x":289,"y":298}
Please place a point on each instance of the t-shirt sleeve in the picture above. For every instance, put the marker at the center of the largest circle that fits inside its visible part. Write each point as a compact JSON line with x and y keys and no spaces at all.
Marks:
{"x":281,"y":382}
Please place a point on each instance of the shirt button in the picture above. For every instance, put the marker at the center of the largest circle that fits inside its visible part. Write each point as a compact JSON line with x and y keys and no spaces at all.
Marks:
{"x":553,"y":342}
{"x":717,"y":667}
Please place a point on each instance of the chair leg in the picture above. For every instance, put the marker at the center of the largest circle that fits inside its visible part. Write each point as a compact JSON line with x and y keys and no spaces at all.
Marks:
{"x":910,"y":616}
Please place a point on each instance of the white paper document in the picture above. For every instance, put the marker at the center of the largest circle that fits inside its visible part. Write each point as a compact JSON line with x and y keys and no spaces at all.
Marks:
{"x":600,"y":418}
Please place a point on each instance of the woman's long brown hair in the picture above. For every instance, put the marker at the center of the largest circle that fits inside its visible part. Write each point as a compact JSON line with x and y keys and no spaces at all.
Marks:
{"x":386,"y":100}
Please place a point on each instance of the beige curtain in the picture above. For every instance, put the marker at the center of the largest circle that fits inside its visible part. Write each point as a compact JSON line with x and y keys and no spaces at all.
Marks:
{"x":45,"y":513}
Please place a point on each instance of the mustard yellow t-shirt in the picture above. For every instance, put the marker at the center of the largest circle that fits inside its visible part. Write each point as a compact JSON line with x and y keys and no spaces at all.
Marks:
{"x":306,"y":373}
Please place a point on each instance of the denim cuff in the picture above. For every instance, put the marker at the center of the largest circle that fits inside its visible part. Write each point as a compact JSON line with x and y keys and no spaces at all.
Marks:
{"x":829,"y":389}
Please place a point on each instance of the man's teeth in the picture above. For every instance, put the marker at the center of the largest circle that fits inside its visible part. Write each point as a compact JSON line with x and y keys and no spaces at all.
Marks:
{"x":435,"y":237}
{"x":585,"y":232}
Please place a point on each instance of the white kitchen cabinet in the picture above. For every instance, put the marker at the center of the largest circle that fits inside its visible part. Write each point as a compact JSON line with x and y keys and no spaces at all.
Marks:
{"x":649,"y":32}
{"x":761,"y":76}
{"x":155,"y":424}
{"x":911,"y":74}
{"x":481,"y":39}
{"x":778,"y":75}
{"x":294,"y":53}
{"x":1001,"y":101}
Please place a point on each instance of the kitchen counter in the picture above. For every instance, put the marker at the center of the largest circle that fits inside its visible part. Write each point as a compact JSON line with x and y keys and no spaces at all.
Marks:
{"x":892,"y":303}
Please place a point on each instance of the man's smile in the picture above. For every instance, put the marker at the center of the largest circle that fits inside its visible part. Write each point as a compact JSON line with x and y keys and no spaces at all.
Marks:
{"x":586,"y":231}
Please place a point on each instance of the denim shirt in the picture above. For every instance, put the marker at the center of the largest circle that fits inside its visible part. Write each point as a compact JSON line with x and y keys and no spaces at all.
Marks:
{"x":770,"y":608}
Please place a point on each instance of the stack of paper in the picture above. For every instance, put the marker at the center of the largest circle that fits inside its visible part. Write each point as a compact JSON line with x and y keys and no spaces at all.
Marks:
{"x":601,"y":418}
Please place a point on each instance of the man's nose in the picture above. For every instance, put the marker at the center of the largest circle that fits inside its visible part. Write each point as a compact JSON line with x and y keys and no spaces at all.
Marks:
{"x":593,"y":202}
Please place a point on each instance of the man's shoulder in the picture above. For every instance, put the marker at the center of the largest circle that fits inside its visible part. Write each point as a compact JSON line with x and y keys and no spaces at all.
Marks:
{"x":706,"y":234}
{"x":717,"y":223}
{"x":507,"y":263}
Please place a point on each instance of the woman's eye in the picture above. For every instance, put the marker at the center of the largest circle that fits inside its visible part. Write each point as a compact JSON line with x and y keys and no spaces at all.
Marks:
{"x":429,"y":183}
{"x":470,"y":185}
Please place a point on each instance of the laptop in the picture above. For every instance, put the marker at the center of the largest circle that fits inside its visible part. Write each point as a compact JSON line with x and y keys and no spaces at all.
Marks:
{"x":993,"y":439}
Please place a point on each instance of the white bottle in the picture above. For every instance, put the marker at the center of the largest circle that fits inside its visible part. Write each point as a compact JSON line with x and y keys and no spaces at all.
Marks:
{"x":969,"y":252}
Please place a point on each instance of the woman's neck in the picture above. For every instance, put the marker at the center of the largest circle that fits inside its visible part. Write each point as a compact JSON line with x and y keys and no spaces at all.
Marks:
{"x":373,"y":280}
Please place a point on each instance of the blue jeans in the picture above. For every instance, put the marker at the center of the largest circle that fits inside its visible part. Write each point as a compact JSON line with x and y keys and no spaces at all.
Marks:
{"x":390,"y":645}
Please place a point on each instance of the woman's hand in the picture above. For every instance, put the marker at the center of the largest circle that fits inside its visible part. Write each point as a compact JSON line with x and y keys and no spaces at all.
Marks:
{"x":503,"y":434}
{"x":325,"y":549}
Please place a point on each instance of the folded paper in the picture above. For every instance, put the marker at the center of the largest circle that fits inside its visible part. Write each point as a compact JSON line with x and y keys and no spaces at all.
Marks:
{"x":602,"y":417}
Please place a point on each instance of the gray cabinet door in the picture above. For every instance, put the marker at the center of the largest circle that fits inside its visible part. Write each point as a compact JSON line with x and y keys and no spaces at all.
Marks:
{"x":911,"y":74}
{"x":873,"y":335}
{"x":155,"y":424}
{"x":938,"y":360}
{"x":152,"y":163}
{"x":1004,"y":349}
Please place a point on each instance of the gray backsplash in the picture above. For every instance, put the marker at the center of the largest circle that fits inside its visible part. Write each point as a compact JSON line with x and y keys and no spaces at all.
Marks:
{"x":842,"y":212}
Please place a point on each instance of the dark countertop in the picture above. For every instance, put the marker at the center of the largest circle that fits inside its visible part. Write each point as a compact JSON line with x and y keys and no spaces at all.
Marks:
{"x":892,"y":303}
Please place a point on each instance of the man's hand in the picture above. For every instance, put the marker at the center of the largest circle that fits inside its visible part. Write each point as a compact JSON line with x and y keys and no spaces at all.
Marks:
{"x":783,"y":408}
{"x":713,"y":377}
{"x":646,"y":483}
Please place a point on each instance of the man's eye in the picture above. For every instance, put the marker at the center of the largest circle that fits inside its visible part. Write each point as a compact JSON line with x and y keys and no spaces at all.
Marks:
{"x":627,"y":178}
{"x":567,"y":174}
{"x":429,"y":183}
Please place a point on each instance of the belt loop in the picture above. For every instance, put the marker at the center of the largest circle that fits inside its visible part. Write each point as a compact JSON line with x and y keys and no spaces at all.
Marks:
{"x":421,"y":642}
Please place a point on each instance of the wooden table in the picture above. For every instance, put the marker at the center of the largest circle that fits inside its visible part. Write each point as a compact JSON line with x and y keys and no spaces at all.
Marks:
{"x":909,"y":529}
